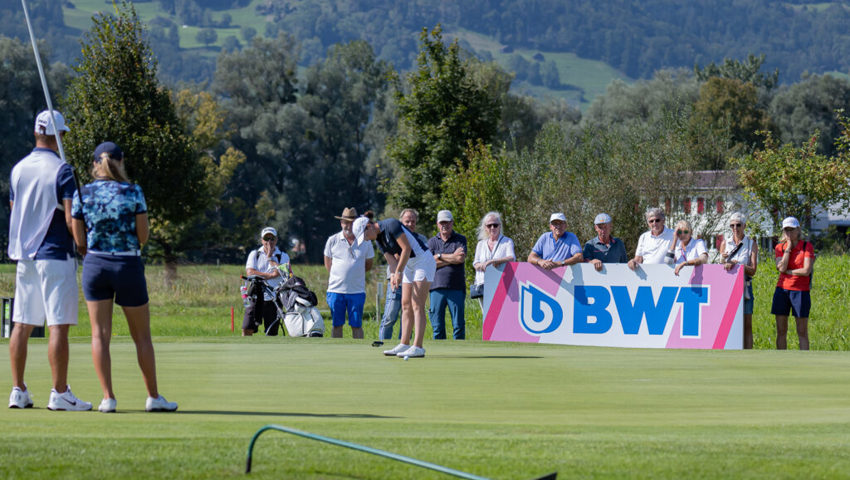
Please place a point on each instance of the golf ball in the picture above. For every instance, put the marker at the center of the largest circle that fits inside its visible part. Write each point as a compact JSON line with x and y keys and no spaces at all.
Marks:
{"x":406,"y":358}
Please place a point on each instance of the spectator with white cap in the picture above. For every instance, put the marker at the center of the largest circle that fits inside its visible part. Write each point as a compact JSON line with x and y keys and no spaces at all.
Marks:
{"x":604,"y":248}
{"x":264,"y":262}
{"x":558,"y":248}
{"x":41,"y":190}
{"x":449,"y":286}
{"x":652,"y":247}
{"x":347,"y":265}
{"x":795,"y":260}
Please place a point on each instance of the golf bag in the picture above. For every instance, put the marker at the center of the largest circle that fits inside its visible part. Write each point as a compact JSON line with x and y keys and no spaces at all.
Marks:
{"x":297,"y":306}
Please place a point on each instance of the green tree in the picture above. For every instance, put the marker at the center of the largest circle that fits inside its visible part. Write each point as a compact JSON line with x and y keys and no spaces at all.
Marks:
{"x":746,"y":72}
{"x":116,"y":97}
{"x":788,"y":180}
{"x":811,"y":105}
{"x":443,"y":110}
{"x":207,"y":36}
{"x":730,"y":109}
{"x":21,"y":98}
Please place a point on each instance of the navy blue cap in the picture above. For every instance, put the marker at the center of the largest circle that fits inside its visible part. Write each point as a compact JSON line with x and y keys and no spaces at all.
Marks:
{"x":110,"y":148}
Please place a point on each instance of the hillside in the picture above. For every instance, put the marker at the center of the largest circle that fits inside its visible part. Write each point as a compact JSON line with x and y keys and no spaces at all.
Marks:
{"x":579,"y":45}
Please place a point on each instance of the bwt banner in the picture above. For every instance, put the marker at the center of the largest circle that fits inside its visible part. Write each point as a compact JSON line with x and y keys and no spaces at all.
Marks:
{"x":649,"y":307}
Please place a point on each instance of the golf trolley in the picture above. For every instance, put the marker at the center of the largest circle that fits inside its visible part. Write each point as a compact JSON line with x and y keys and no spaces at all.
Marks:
{"x":294,"y":302}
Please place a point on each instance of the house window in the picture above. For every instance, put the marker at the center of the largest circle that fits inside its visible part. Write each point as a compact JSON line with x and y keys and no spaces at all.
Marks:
{"x":700,"y":205}
{"x":720,"y":206}
{"x":687,"y":206}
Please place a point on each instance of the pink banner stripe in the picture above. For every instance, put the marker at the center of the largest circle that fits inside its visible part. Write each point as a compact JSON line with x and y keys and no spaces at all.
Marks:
{"x":736,"y":297}
{"x":498,"y":300}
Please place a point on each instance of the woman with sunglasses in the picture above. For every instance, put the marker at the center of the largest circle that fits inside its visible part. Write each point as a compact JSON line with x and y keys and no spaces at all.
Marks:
{"x":684,"y":249}
{"x":738,"y":249}
{"x":795,"y":259}
{"x":111,"y":220}
{"x":494,"y":248}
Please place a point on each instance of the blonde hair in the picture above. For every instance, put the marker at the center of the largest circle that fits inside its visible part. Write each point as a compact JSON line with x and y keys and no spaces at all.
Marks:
{"x":111,"y":168}
{"x":482,"y":230}
{"x":684,"y":225}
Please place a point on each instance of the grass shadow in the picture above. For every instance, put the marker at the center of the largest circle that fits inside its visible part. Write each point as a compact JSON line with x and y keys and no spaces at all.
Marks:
{"x":281,"y":414}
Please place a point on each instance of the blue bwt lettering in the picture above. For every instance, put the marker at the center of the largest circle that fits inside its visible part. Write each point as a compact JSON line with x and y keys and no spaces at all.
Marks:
{"x":592,"y":301}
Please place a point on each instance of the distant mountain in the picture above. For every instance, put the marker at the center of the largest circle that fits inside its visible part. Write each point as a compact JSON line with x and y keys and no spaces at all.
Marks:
{"x":633,"y":38}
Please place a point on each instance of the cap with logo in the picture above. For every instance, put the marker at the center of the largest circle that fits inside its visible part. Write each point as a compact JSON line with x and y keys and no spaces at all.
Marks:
{"x":44,"y":123}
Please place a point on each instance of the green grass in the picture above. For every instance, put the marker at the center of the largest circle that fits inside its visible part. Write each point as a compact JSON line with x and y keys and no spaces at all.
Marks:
{"x":493,"y":409}
{"x":592,"y":76}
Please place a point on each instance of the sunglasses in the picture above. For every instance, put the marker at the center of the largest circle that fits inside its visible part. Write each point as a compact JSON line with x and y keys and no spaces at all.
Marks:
{"x":269,"y":239}
{"x":735,"y":225}
{"x":789,"y":229}
{"x":654,"y":220}
{"x":683,"y":232}
{"x":493,"y":225}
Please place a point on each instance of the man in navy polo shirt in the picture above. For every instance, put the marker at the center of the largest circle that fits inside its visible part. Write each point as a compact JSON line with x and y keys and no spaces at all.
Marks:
{"x":41,"y":189}
{"x":604,"y":248}
{"x":449,"y":285}
{"x":558,"y":248}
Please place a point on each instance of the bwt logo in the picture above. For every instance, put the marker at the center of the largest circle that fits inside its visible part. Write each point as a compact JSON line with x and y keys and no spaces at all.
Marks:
{"x":541,"y":313}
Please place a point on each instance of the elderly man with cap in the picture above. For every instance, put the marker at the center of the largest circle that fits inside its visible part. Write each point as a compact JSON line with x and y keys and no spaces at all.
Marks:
{"x":604,"y":248}
{"x":347,"y":264}
{"x":449,"y":286}
{"x":558,"y":248}
{"x":41,"y":191}
{"x":263,"y":262}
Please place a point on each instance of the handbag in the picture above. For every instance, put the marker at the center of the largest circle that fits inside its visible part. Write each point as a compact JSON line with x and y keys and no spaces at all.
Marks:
{"x":476,"y":290}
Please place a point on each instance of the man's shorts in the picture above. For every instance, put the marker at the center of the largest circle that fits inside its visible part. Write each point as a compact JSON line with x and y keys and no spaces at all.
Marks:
{"x":786,"y":301}
{"x":420,"y":268}
{"x":340,"y":303}
{"x":120,"y":277}
{"x":46,"y":290}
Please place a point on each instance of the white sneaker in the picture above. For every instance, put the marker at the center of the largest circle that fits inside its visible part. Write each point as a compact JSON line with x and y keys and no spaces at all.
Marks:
{"x":413,"y":352}
{"x":107,"y":405}
{"x":398,"y":348}
{"x":160,"y":404}
{"x":20,"y":398}
{"x":66,"y":401}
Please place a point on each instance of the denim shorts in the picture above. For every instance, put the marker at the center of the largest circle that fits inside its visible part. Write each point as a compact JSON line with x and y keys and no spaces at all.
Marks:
{"x":120,"y":278}
{"x":787,"y":301}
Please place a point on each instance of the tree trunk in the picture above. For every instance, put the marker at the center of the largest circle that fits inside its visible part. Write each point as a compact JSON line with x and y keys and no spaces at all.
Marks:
{"x":170,"y":272}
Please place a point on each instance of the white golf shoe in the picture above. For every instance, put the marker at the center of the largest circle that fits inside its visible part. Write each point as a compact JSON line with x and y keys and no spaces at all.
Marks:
{"x":20,"y":398}
{"x":412,"y":352}
{"x":160,"y":404}
{"x":107,"y":405}
{"x":394,"y":351}
{"x":66,"y":401}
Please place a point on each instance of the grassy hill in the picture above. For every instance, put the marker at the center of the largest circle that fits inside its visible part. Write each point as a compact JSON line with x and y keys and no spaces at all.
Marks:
{"x":583,"y":79}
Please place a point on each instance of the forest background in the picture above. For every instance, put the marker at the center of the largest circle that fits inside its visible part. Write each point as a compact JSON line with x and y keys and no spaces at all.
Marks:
{"x":237,"y":114}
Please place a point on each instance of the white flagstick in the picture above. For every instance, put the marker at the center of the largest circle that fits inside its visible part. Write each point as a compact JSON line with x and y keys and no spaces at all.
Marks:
{"x":43,"y":81}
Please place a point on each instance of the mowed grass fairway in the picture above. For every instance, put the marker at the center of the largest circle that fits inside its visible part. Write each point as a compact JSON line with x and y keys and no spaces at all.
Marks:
{"x":498,"y":410}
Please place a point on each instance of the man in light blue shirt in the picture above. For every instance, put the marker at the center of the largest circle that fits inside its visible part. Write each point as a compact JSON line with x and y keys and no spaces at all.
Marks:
{"x":558,"y":248}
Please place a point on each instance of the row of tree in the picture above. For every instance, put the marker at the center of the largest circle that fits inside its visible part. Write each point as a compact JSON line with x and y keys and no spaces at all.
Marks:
{"x":264,"y":145}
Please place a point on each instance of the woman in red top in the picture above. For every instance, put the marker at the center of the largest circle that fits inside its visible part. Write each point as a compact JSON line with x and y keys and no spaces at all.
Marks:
{"x":794,"y":260}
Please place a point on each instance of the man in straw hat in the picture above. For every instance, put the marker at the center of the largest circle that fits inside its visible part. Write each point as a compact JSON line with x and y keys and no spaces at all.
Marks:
{"x":347,"y":265}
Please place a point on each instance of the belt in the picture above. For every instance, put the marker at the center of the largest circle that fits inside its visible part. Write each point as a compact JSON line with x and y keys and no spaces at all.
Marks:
{"x":131,"y":253}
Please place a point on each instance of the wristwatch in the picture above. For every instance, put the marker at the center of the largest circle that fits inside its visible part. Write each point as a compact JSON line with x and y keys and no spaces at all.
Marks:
{"x":439,"y":256}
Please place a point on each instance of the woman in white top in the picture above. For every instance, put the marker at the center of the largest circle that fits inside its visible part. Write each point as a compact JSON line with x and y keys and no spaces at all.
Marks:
{"x":684,"y":249}
{"x":494,"y":248}
{"x":742,"y":250}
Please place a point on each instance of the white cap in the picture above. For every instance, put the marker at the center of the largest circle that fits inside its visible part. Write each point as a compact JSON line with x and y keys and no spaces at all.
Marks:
{"x":790,"y":222}
{"x":602,"y":218}
{"x":444,"y":216}
{"x":557,"y":216}
{"x":358,"y":228}
{"x":44,"y":123}
{"x":268,"y":230}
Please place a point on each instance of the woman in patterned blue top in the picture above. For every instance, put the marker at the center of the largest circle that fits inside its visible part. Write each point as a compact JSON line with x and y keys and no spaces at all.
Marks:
{"x":111,"y":220}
